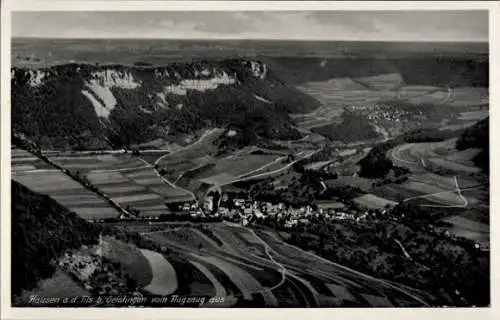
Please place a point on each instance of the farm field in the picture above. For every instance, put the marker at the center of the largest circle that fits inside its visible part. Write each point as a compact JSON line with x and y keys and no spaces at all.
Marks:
{"x":25,"y":161}
{"x":164,"y":281}
{"x":389,"y":87}
{"x":371,"y":201}
{"x":139,"y":188}
{"x":457,"y":126}
{"x":440,"y":191}
{"x":419,"y":156}
{"x":467,"y":228}
{"x":203,"y":146}
{"x":186,"y":235}
{"x":235,"y":165}
{"x":98,"y":162}
{"x":67,"y":192}
{"x":474,"y":115}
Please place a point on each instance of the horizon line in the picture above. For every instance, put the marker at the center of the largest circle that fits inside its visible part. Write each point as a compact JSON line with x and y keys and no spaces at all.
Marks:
{"x":253,"y":39}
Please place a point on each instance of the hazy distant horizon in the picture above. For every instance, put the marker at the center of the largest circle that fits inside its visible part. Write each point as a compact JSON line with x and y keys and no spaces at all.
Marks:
{"x":468,"y":26}
{"x":253,"y":39}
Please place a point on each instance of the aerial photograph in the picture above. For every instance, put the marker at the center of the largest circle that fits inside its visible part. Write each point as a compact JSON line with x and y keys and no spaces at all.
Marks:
{"x":250,"y":159}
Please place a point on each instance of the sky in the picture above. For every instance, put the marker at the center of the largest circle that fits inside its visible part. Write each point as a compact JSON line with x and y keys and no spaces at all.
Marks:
{"x":453,"y":26}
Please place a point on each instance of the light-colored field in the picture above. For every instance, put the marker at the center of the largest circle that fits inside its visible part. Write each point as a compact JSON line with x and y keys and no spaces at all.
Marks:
{"x":325,"y":204}
{"x":470,"y":229}
{"x":459,"y":126}
{"x":219,"y":179}
{"x":164,"y":280}
{"x":340,"y":291}
{"x":371,"y":201}
{"x":67,"y":192}
{"x":436,"y":194}
{"x":317,"y":165}
{"x":451,"y":165}
{"x":377,"y":301}
{"x":474,"y":115}
{"x":22,"y":167}
{"x":98,"y":162}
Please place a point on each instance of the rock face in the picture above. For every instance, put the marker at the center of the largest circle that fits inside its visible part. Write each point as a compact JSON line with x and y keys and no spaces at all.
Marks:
{"x":122,"y":105}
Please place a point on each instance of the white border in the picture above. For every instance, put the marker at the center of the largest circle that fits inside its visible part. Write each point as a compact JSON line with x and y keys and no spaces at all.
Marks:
{"x":128,"y":313}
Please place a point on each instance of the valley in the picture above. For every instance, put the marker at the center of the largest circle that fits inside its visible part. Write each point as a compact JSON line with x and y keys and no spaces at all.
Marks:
{"x":264,"y":181}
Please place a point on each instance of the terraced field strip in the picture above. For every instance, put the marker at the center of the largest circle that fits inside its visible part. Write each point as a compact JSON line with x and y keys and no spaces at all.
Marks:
{"x":190,"y":245}
{"x":142,"y":188}
{"x":220,"y":291}
{"x":164,"y":280}
{"x":189,"y":236}
{"x":98,"y":163}
{"x":68,"y":193}
{"x":245,"y":282}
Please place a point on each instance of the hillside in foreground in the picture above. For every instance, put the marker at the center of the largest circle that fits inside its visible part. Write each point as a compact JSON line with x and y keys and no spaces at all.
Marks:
{"x":42,"y":230}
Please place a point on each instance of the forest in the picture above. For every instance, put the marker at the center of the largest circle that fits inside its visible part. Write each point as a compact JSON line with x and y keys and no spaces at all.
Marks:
{"x":353,"y":128}
{"x":477,"y":136}
{"x":42,"y":230}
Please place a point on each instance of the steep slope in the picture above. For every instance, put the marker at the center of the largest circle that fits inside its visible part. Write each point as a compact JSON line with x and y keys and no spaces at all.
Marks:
{"x":41,"y":231}
{"x":90,"y":106}
{"x":477,"y":136}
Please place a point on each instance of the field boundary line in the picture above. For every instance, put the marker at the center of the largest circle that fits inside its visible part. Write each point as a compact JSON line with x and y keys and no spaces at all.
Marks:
{"x":459,"y":192}
{"x":165,"y":180}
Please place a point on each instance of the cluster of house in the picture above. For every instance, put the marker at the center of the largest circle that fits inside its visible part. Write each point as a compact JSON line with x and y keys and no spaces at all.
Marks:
{"x":247,"y":210}
{"x":377,"y":112}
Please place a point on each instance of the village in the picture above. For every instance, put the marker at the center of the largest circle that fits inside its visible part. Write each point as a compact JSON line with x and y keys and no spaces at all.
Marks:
{"x":246,"y":211}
